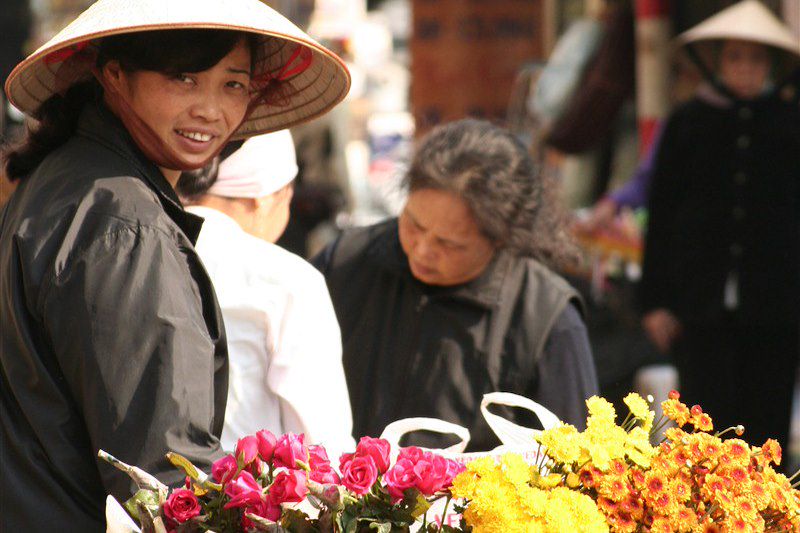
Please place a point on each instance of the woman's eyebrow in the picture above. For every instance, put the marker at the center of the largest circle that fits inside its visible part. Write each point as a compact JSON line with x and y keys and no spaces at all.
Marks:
{"x":239,"y":71}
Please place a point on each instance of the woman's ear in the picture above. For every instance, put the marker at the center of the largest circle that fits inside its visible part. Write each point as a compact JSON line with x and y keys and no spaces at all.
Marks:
{"x":113,"y":75}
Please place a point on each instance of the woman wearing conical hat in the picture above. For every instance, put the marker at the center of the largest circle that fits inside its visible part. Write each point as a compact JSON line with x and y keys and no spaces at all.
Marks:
{"x":111,"y":336}
{"x":721,"y":277}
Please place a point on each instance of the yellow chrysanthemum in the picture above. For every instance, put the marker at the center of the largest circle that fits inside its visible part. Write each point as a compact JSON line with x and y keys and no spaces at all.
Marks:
{"x":563,"y":443}
{"x":676,"y":411}
{"x":601,"y":411}
{"x":640,"y":409}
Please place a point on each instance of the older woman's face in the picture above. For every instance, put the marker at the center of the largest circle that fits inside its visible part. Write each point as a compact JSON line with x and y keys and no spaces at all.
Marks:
{"x":443,"y":242}
{"x":744,"y":67}
{"x":194,"y":113}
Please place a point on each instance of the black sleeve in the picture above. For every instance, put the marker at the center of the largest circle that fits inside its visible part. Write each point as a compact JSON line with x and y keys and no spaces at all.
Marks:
{"x":565,"y":373}
{"x":666,"y":193}
{"x":126,"y":323}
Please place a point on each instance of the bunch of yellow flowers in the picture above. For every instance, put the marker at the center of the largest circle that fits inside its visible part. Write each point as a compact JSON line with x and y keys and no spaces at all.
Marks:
{"x":610,"y":478}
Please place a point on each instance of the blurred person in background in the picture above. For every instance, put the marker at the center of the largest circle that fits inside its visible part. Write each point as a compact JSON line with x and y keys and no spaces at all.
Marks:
{"x":284,"y":346}
{"x":720,"y":286}
{"x":453,"y":300}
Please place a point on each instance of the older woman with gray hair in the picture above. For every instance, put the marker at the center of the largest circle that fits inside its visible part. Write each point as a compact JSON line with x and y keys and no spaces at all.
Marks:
{"x":453,"y":300}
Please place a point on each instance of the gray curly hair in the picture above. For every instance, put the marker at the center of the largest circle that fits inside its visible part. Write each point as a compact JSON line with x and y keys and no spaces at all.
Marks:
{"x":516,"y":206}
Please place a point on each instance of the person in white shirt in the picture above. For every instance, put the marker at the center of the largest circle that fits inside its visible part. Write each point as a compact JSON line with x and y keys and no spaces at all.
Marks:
{"x":284,"y":342}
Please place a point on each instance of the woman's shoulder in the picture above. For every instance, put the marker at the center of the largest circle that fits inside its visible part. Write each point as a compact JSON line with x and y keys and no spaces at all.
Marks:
{"x":544,"y":284}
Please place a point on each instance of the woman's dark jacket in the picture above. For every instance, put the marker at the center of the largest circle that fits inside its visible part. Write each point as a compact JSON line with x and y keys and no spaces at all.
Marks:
{"x":726,"y":198}
{"x":414,"y":350}
{"x":110,"y":338}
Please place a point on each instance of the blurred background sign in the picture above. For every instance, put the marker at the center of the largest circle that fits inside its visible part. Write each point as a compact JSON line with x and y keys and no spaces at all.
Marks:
{"x":465,"y":56}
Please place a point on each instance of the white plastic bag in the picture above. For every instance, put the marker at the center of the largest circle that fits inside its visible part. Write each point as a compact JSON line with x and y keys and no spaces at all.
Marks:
{"x":514,"y":438}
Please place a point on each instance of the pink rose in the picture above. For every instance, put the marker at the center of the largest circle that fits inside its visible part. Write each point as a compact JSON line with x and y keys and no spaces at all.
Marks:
{"x":454,"y":468}
{"x":247,"y":449}
{"x":359,"y":474}
{"x":289,"y":487}
{"x":431,"y":473}
{"x":256,"y":467}
{"x":344,"y":459}
{"x":321,"y":470}
{"x":264,"y":509}
{"x":181,"y":505}
{"x":243,"y":491}
{"x":289,"y":450}
{"x":224,"y":469}
{"x":266,"y":444}
{"x":378,"y":449}
{"x":412,"y":453}
{"x":399,"y":478}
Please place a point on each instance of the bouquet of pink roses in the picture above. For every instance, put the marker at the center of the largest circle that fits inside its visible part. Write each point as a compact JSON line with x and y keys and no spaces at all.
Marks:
{"x":261,"y":486}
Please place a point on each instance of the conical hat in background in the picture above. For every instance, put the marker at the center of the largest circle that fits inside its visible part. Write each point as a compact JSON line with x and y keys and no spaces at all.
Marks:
{"x":316,"y":90}
{"x":748,"y":20}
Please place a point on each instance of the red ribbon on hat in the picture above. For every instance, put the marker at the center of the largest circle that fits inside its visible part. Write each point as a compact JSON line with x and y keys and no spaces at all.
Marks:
{"x":65,"y":53}
{"x":301,"y":52}
{"x":276,"y":89}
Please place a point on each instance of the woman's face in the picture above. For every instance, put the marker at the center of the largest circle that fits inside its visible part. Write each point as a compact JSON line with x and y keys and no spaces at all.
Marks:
{"x":193,"y":113}
{"x":744,"y":67}
{"x":443,"y":242}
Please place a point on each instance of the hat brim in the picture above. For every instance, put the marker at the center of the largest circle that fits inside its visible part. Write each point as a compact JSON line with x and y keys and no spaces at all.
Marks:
{"x":313,"y":92}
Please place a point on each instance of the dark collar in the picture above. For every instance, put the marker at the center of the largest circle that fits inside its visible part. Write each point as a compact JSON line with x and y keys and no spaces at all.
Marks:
{"x":386,"y":252}
{"x":100,"y":125}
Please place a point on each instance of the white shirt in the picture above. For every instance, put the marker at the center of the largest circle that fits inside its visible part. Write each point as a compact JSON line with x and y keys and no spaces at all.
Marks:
{"x":284,"y":343}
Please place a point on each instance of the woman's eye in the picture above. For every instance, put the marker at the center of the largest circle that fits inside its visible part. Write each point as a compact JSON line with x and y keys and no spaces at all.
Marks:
{"x":236,"y":85}
{"x":184,"y":78}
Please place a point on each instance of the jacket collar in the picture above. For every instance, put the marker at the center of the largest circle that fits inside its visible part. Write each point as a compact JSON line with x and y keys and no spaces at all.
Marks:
{"x":484,"y":291}
{"x":100,"y":125}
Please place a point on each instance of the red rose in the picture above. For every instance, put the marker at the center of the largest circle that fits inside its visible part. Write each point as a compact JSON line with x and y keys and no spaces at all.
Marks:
{"x":266,"y":444}
{"x":412,"y":453}
{"x":321,"y":470}
{"x":359,"y":474}
{"x":289,"y":450}
{"x":181,"y":505}
{"x":263,"y":509}
{"x":399,"y":478}
{"x":247,"y":449}
{"x":224,"y":469}
{"x":431,"y":473}
{"x":243,"y":491}
{"x":378,"y":449}
{"x":289,"y":487}
{"x":454,"y":468}
{"x":344,"y":459}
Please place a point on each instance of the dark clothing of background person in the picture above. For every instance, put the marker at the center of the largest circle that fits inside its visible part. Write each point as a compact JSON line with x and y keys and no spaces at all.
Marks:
{"x":412,"y":350}
{"x":723,"y":255}
{"x":111,"y":337}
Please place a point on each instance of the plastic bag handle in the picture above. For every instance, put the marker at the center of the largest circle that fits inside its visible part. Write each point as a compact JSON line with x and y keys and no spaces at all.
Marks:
{"x":394,"y":431}
{"x":509,"y":433}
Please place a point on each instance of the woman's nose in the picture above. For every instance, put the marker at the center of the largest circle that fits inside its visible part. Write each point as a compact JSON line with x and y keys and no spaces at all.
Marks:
{"x":208,"y":106}
{"x":424,"y":248}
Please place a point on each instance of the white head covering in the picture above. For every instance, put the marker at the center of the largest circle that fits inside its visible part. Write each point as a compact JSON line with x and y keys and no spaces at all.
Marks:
{"x":263,"y":165}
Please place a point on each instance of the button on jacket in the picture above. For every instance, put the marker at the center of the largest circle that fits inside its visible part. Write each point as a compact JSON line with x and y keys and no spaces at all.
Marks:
{"x":284,"y":345}
{"x":725,"y":213}
{"x":111,"y":337}
{"x":415,"y":350}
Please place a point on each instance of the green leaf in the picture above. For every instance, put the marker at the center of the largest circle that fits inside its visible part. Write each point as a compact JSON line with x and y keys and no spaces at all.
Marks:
{"x":421,"y":505}
{"x":381,"y":527}
{"x":147,"y":499}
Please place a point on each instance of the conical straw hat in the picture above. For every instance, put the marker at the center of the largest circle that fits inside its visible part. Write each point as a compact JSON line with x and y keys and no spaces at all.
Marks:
{"x":315,"y":90}
{"x":748,"y":20}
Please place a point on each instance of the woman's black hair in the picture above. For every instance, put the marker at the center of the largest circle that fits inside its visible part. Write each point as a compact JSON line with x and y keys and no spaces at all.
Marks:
{"x":515,"y":204}
{"x":193,"y":184}
{"x":167,"y":51}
